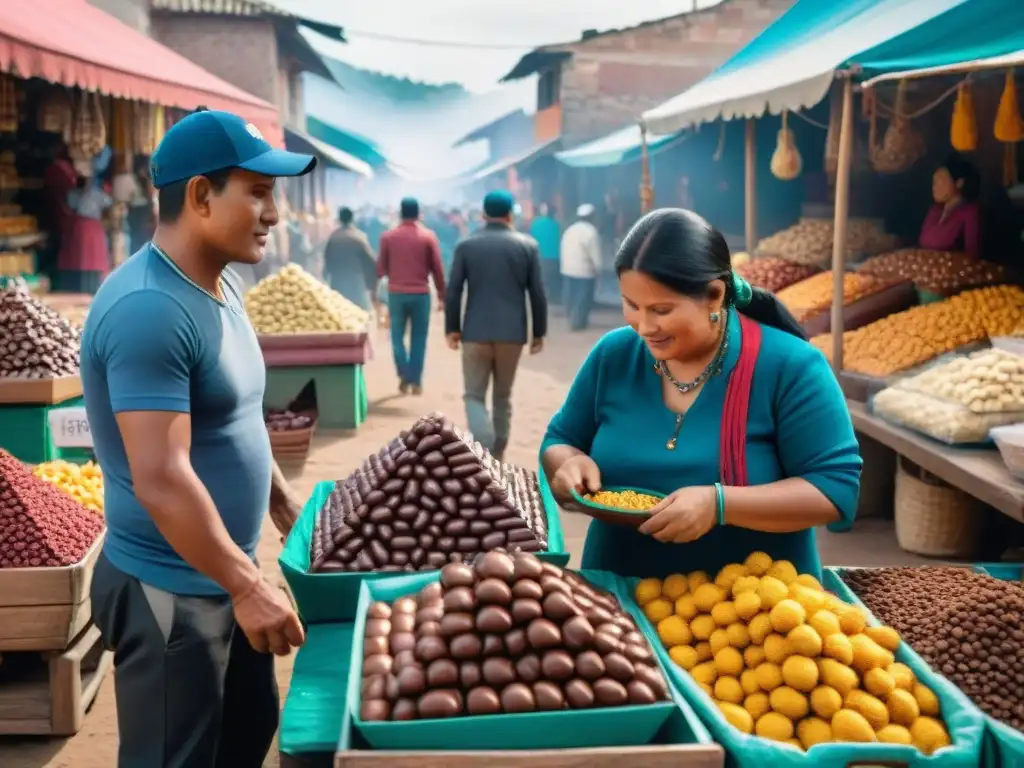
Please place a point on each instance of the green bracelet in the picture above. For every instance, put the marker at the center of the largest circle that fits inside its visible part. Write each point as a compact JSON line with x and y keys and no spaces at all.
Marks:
{"x":720,"y":503}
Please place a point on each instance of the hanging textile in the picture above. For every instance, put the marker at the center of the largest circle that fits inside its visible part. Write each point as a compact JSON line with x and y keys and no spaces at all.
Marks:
{"x":963,"y":131}
{"x":1009,"y":128}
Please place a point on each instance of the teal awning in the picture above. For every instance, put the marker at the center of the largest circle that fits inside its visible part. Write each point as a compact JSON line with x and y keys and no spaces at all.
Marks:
{"x":351,"y":143}
{"x":792,"y":63}
{"x":297,"y":141}
{"x":622,"y":146}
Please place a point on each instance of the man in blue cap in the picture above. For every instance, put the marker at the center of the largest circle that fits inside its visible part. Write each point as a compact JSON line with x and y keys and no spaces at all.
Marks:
{"x":498,"y":269}
{"x":174,"y":379}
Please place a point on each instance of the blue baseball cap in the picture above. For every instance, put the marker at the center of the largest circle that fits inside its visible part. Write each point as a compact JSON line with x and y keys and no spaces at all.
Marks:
{"x":208,"y":141}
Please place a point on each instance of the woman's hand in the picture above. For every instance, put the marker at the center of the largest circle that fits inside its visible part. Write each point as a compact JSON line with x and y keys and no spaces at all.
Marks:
{"x":578,"y":473}
{"x":683,"y":516}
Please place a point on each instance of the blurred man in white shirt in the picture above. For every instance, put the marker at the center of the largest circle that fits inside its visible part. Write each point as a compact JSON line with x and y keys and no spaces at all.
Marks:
{"x":580,"y":264}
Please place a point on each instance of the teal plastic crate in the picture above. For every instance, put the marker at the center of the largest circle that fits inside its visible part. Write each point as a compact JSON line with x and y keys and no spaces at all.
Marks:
{"x":25,"y":434}
{"x":565,"y":729}
{"x":332,"y":597}
{"x":963,"y":719}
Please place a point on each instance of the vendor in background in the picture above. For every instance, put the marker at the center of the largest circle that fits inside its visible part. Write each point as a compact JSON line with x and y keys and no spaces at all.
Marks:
{"x":350,"y":267}
{"x":59,"y":179}
{"x":954,"y":222}
{"x":669,"y":404}
{"x":548,"y":234}
{"x":141,"y":210}
{"x":84,"y":257}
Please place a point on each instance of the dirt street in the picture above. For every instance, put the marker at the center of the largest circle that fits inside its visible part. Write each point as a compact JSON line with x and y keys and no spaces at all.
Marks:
{"x":540,"y":388}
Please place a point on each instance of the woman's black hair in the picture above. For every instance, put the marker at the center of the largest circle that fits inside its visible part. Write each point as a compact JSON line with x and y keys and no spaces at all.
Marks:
{"x":682,"y":251}
{"x":962,"y":170}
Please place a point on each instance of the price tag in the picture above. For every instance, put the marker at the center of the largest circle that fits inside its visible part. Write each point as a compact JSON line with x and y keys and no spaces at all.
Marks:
{"x":69,"y":428}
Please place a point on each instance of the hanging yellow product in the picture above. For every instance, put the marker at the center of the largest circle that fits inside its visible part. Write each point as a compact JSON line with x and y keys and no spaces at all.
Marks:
{"x":1009,"y":126}
{"x":963,"y":132}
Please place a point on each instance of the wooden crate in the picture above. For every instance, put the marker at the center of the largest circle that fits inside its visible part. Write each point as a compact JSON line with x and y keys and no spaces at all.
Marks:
{"x":653,"y":756}
{"x":44,"y":609}
{"x":39,"y":391}
{"x":48,"y":694}
{"x":291,"y":446}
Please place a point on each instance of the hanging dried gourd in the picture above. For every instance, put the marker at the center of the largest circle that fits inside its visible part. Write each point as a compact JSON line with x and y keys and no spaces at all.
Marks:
{"x":786,"y":162}
{"x":902,"y":145}
{"x":963,"y":131}
{"x":1009,"y":128}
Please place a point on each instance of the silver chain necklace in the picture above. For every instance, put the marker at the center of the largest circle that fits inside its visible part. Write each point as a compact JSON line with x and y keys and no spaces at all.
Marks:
{"x":713,"y":368}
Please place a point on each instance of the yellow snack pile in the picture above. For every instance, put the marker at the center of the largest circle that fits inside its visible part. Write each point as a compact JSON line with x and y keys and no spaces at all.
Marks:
{"x":785,"y":660}
{"x":623,"y":499}
{"x":82,"y":483}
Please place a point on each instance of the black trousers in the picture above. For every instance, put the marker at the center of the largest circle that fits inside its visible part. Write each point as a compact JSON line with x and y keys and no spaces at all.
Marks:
{"x":191,"y":692}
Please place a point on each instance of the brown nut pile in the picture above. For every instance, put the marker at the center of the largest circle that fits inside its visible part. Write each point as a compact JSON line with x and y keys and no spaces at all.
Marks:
{"x":428,"y":498}
{"x":507,"y":634}
{"x":35,"y":341}
{"x":813,"y":296}
{"x":773,"y":274}
{"x":285,"y":421}
{"x":940,"y":272}
{"x":810,"y":241}
{"x":40,"y":525}
{"x":907,"y":339}
{"x":966,"y":625}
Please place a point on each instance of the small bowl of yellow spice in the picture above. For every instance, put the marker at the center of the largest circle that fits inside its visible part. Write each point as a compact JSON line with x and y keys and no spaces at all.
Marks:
{"x":618,"y":505}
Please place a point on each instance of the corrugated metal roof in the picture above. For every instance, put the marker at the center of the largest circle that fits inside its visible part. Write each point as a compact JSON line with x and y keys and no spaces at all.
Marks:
{"x":224,"y":7}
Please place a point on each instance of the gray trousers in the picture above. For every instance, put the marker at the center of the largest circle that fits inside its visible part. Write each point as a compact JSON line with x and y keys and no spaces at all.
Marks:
{"x":482,"y":364}
{"x":578,"y":295}
{"x":191,"y":692}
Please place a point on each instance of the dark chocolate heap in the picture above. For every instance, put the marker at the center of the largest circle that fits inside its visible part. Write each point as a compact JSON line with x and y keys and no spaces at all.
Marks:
{"x":428,"y":498}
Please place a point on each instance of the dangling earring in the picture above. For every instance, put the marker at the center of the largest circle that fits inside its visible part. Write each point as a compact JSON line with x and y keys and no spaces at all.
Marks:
{"x":715,"y":317}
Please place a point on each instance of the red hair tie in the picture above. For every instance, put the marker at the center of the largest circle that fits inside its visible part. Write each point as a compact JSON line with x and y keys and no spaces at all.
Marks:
{"x":733,"y":447}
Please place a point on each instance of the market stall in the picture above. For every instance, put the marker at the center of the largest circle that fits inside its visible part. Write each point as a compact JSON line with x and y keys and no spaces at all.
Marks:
{"x":310,"y":333}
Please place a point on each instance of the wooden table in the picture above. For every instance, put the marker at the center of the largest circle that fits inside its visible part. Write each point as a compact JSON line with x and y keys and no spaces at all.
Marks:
{"x":979,"y":472}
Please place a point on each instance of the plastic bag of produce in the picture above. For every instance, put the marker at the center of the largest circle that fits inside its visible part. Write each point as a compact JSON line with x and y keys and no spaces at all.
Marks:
{"x":942,"y":420}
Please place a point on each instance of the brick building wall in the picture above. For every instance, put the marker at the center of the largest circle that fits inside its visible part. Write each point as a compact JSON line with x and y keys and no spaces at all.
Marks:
{"x":239,"y":50}
{"x":134,"y":13}
{"x":613,"y":78}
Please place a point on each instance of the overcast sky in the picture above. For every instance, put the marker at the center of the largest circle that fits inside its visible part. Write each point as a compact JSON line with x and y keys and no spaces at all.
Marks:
{"x":513,"y":23}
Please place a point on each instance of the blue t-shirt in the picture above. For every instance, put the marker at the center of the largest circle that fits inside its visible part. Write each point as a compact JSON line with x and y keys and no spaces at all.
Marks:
{"x":797,"y":426}
{"x":546,"y":232}
{"x":155,"y":341}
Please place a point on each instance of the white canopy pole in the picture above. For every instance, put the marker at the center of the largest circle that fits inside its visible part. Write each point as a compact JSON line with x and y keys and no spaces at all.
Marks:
{"x":842,"y":210}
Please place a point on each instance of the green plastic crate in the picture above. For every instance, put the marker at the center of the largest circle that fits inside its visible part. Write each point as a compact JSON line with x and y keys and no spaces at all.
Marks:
{"x":747,"y":751}
{"x":332,"y":597}
{"x":25,"y":434}
{"x":342,"y":398}
{"x":565,"y":729}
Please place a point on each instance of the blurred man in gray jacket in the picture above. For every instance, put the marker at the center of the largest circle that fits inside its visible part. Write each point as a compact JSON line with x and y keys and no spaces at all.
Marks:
{"x":498,"y":270}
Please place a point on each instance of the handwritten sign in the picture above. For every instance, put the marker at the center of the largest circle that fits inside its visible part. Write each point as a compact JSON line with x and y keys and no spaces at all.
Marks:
{"x":69,"y":428}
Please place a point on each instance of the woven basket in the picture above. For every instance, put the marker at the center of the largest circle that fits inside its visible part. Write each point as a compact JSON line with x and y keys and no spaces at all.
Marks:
{"x":292,"y":446}
{"x":934,"y":519}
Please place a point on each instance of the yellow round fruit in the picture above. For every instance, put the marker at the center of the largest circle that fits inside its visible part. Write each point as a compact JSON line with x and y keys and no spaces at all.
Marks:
{"x":759,"y":627}
{"x":867,"y":654}
{"x":707,"y":596}
{"x":748,"y":680}
{"x":811,"y":599}
{"x":675,"y":586}
{"x":697,"y":578}
{"x":769,"y":676}
{"x":707,"y":689}
{"x":771,"y":591}
{"x":685,"y":656}
{"x":838,"y":647}
{"x":879,"y":683}
{"x":657,"y":609}
{"x":928,"y":735}
{"x":704,"y":652}
{"x":738,"y":717}
{"x":851,"y":619}
{"x":702,"y":627}
{"x":774,"y":726}
{"x":800,"y":673}
{"x":686,"y":608}
{"x":705,"y":672}
{"x":728,"y":575}
{"x":894,"y":734}
{"x":729,"y":661}
{"x":795,"y":743}
{"x":739,"y":636}
{"x":674,"y":631}
{"x":848,"y":725}
{"x":826,"y":701}
{"x":729,"y":689}
{"x":753,"y":655}
{"x":757,"y":704}
{"x":838,"y":676}
{"x":648,"y":590}
{"x":784,"y":571}
{"x":903,"y":676}
{"x":887,"y":637}
{"x":807,"y":580}
{"x":813,"y":730}
{"x":873,"y":709}
{"x":719,"y":639}
{"x":824,"y":622}
{"x":903,"y":708}
{"x":804,"y":640}
{"x":724,"y":613}
{"x":776,"y":649}
{"x":747,"y":604}
{"x":927,"y":701}
{"x":758,"y":563}
{"x":745,"y":584}
{"x":786,"y":615}
{"x":788,"y":702}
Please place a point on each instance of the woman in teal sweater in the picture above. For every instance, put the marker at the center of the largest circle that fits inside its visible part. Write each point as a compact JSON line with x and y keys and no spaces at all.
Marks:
{"x":712,"y":396}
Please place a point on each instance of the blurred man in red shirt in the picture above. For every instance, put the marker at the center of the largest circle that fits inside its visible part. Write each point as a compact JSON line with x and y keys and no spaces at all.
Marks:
{"x":409,"y":255}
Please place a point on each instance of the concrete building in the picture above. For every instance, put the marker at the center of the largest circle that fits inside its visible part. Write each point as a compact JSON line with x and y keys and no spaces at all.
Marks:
{"x":605,"y":80}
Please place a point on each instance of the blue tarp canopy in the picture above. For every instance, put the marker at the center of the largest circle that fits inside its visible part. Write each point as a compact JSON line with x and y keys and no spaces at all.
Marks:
{"x":622,"y":146}
{"x":792,"y":63}
{"x":353,"y":144}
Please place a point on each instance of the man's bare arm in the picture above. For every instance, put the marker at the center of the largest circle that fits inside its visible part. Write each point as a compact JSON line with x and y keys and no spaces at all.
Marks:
{"x":157,"y":444}
{"x":284,"y":504}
